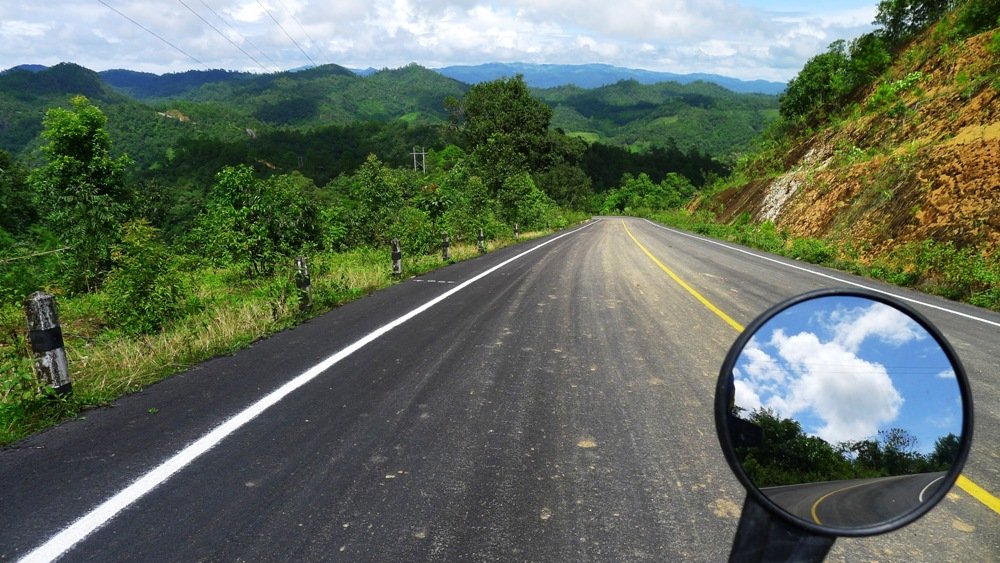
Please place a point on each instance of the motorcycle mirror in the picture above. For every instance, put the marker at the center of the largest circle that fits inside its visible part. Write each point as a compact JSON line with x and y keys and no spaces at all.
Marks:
{"x":843,"y":413}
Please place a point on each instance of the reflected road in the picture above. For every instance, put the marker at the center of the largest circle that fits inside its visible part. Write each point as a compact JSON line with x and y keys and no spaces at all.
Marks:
{"x":856,"y":503}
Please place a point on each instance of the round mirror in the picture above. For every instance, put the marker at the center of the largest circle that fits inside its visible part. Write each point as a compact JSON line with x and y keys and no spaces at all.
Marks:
{"x":845,"y":412}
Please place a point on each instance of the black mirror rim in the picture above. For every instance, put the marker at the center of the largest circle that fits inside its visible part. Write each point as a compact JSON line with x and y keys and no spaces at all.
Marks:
{"x":722,"y":400}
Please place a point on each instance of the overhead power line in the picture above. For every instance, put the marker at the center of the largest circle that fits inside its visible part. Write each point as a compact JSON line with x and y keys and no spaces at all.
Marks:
{"x":154,"y":34}
{"x":292,"y":39}
{"x":294,"y":19}
{"x":223,"y":35}
{"x":242,"y":37}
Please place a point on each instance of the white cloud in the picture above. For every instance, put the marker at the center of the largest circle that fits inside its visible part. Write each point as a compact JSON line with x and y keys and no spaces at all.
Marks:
{"x":723,"y":36}
{"x":879,"y":321}
{"x":20,"y":30}
{"x":245,"y":12}
{"x":853,"y":397}
{"x":947,"y":374}
{"x":802,"y":375}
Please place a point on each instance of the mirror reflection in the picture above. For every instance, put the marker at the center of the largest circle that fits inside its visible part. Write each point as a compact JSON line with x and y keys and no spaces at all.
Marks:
{"x":845,"y":412}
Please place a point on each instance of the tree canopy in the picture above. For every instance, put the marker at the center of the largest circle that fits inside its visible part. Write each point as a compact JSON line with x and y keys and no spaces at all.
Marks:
{"x":82,"y":188}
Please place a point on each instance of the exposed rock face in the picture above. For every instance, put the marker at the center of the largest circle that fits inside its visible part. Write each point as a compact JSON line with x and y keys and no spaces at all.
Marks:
{"x":928,"y":170}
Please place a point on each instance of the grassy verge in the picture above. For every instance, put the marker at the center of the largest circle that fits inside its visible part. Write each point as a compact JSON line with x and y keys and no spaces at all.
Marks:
{"x":960,"y":274}
{"x":224,"y":312}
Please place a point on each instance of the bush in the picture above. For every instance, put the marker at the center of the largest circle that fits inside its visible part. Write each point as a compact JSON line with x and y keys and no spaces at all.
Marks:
{"x":811,"y":250}
{"x":257,"y":223}
{"x":415,"y":231}
{"x":887,"y":97}
{"x":144,"y":290}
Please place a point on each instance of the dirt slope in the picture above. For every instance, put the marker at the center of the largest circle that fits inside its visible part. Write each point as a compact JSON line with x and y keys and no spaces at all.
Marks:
{"x":927,"y":166}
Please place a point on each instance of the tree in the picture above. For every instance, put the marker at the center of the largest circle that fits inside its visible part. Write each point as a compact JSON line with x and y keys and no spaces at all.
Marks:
{"x":257,"y":222}
{"x":17,"y":207}
{"x":902,"y":19}
{"x":978,"y":15}
{"x":945,"y":452}
{"x":82,"y":188}
{"x":562,"y":178}
{"x":898,"y":451}
{"x":821,"y":83}
{"x":506,"y":128}
{"x":521,"y":202}
{"x":143,"y":291}
{"x":869,"y":57}
{"x":379,"y":197}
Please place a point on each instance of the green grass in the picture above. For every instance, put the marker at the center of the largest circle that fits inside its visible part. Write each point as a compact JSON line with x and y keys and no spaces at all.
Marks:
{"x":588,"y":136}
{"x":224,"y":313}
{"x":960,"y":274}
{"x":666,"y":120}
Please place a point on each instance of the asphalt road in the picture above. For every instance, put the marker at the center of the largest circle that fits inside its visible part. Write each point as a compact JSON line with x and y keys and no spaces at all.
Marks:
{"x":856,"y":503}
{"x":548,"y":406}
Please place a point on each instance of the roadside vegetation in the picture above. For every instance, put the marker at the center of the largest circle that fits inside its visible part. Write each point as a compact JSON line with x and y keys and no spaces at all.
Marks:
{"x":136,"y":306}
{"x":789,"y":456}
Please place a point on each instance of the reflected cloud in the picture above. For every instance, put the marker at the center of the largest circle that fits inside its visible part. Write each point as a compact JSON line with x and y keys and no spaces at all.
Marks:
{"x":821,"y":374}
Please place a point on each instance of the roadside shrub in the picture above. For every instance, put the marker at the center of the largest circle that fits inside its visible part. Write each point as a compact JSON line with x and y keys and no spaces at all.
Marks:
{"x":812,"y":250}
{"x":143,"y":291}
{"x":943,"y":269}
{"x":257,"y":223}
{"x":414,"y":230}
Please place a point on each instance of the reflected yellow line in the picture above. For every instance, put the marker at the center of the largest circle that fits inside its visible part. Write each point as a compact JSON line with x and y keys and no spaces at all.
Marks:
{"x":681,"y":283}
{"x":963,"y":482}
{"x":815,"y":505}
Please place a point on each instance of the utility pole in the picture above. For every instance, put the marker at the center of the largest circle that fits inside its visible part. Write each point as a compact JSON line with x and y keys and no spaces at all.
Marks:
{"x":423,"y":159}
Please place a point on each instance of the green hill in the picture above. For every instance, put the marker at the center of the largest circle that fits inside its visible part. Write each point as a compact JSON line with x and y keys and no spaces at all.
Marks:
{"x":225,"y":105}
{"x":700,"y":115}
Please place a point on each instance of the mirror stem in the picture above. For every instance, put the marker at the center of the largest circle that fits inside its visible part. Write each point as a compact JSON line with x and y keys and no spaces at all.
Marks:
{"x":764,"y":538}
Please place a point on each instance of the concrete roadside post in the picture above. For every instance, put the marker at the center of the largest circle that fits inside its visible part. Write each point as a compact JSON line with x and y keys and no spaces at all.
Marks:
{"x":303,"y":283}
{"x":446,"y":247}
{"x":397,"y":259}
{"x":481,"y":241}
{"x":46,"y":339}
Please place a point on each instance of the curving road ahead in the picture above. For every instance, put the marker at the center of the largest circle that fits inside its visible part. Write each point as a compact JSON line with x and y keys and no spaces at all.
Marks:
{"x":856,"y":503}
{"x":547,"y":402}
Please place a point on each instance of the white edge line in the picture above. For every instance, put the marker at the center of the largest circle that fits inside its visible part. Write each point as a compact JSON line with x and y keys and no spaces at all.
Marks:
{"x":924,"y":490}
{"x":60,"y":543}
{"x":828,"y":276}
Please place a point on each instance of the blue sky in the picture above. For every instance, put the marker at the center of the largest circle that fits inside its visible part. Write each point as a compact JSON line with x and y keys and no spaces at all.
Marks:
{"x":846,"y":368}
{"x":746,"y":39}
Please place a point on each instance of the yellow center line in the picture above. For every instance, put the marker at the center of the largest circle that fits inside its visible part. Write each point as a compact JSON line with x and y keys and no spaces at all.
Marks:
{"x":963,"y":482}
{"x":978,"y":493}
{"x":680,"y":282}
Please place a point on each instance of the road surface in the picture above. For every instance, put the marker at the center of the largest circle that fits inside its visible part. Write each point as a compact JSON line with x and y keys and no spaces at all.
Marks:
{"x":546,"y":402}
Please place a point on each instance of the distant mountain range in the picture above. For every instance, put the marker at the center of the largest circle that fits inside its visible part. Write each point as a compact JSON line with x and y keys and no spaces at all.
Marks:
{"x":536,"y":75}
{"x":597,"y":75}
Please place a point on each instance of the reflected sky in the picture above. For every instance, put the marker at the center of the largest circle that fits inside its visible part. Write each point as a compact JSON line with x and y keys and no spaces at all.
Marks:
{"x":847,"y":367}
